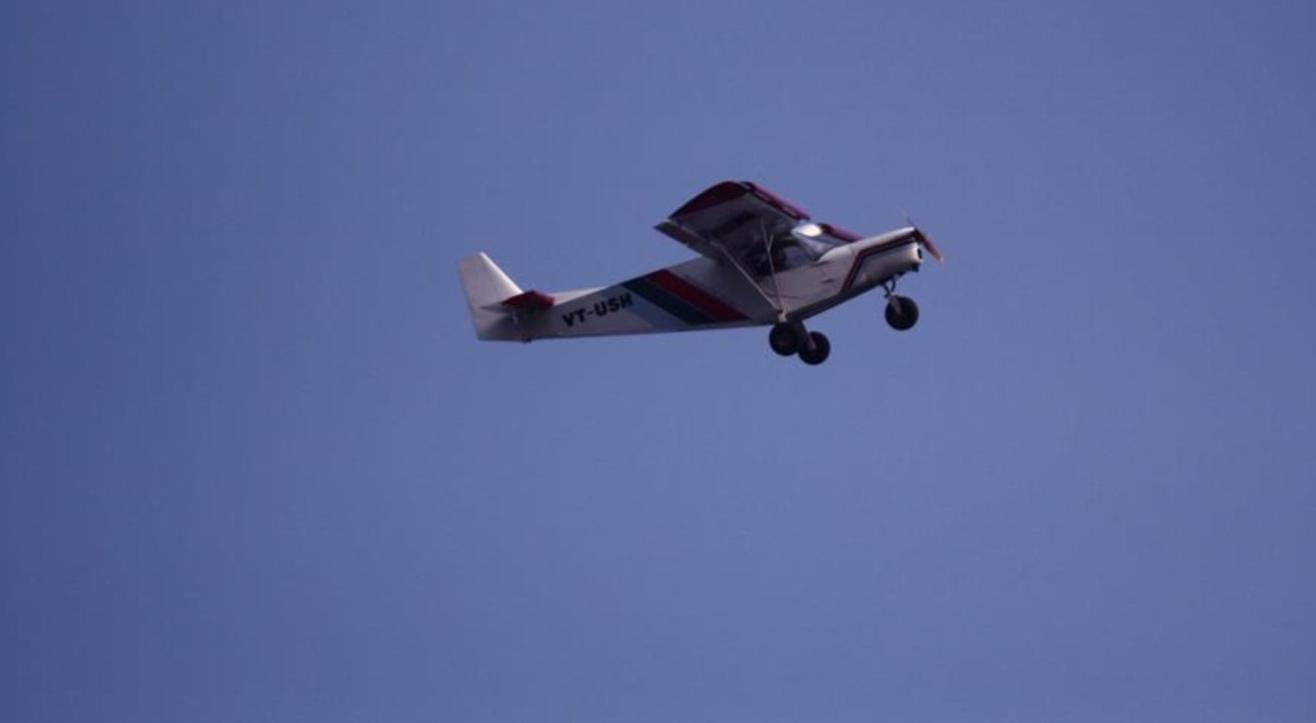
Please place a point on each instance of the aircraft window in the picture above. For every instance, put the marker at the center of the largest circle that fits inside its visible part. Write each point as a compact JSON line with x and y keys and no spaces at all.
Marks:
{"x":810,"y":236}
{"x":802,"y":246}
{"x":815,"y":247}
{"x":787,"y":254}
{"x":797,"y":255}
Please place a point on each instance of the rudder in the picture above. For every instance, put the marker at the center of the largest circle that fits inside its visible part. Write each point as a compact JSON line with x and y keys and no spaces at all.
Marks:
{"x":485,"y":284}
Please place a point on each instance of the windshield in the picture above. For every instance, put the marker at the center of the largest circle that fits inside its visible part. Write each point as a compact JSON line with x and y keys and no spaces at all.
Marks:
{"x":811,"y":238}
{"x":802,"y":246}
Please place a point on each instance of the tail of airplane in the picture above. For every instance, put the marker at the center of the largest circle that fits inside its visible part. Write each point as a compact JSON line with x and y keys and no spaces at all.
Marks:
{"x":494,"y":298}
{"x":485,"y":283}
{"x":486,"y":286}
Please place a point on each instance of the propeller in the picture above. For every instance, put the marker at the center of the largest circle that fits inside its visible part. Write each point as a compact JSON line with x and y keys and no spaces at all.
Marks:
{"x":925,"y":241}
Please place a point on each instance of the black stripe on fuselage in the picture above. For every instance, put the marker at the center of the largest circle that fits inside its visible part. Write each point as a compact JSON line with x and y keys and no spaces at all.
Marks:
{"x":666,"y":301}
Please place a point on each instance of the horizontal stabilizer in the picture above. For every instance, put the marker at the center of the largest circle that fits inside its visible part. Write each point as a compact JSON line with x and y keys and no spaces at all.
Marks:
{"x":525,"y":301}
{"x":494,"y":299}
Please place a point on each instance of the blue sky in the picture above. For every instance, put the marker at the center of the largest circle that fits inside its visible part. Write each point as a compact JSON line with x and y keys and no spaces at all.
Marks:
{"x":254,"y":465}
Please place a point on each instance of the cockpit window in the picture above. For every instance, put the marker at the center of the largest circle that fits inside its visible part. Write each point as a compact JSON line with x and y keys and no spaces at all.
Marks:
{"x":811,"y":238}
{"x":801,"y":246}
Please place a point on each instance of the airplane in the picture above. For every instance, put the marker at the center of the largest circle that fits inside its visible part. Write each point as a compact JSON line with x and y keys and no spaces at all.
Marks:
{"x":762,"y":261}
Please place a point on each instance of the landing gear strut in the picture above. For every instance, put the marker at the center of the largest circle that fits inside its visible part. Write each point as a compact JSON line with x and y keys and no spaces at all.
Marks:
{"x":901,"y":311}
{"x":791,"y":338}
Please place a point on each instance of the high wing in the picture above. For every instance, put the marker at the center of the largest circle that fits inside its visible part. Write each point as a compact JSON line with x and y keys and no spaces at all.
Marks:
{"x":737,"y":218}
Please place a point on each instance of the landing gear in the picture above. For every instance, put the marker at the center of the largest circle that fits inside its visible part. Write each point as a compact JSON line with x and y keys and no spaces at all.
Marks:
{"x":789,"y":339}
{"x":901,"y":312}
{"x":816,"y":353}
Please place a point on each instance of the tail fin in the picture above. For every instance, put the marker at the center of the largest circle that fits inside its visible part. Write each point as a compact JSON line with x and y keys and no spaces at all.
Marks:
{"x":492,"y":297}
{"x":485,"y":283}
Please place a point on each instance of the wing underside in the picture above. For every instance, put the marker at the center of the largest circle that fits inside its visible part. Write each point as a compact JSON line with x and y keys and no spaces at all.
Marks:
{"x":738,"y":219}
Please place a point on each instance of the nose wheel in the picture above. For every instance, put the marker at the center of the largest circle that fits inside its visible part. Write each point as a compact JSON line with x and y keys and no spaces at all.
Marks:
{"x":791,"y":338}
{"x":901,"y":312}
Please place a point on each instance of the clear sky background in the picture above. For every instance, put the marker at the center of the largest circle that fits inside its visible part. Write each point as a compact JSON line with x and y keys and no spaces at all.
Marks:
{"x":254,"y":465}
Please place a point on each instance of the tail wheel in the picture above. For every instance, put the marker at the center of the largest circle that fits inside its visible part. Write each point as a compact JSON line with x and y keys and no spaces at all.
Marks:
{"x":901,"y":312}
{"x":784,"y":339}
{"x":821,"y":349}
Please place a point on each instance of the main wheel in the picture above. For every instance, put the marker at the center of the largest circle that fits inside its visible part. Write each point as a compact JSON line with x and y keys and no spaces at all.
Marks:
{"x":821,"y":348}
{"x":784,"y":339}
{"x":901,"y":312}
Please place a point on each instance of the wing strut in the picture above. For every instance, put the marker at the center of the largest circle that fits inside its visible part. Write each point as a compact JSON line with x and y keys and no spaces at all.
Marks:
{"x":772,"y":266}
{"x":767,"y":242}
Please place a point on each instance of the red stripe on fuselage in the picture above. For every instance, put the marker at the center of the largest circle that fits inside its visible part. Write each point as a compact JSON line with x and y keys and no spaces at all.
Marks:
{"x":715,"y":308}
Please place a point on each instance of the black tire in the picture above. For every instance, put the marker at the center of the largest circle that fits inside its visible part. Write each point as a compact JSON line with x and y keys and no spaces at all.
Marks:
{"x":820,"y":351}
{"x":784,"y":339}
{"x":901,"y":313}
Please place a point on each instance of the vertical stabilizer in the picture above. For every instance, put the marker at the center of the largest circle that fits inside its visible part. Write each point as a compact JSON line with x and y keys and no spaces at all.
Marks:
{"x":485,"y":283}
{"x":486,"y":286}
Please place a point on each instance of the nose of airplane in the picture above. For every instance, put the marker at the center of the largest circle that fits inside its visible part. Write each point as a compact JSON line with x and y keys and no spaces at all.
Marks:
{"x":926,"y":242}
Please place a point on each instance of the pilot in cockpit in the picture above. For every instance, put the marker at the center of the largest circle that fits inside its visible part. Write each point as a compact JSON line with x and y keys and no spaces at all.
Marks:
{"x":804,"y":245}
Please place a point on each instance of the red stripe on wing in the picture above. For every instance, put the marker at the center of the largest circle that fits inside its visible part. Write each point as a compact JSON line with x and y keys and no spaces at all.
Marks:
{"x":715,"y":308}
{"x":727,"y":191}
{"x":785,"y":206}
{"x":714,"y":195}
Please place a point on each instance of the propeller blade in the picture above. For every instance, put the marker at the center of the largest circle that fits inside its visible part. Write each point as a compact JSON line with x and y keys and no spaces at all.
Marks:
{"x":931,"y":247}
{"x":925,"y":241}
